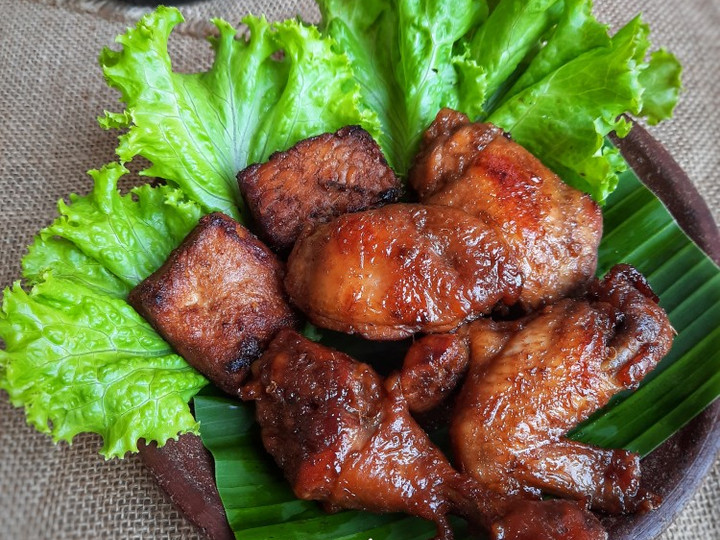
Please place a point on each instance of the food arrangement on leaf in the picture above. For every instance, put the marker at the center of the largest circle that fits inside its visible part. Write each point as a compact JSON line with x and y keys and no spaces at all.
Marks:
{"x":484,"y":261}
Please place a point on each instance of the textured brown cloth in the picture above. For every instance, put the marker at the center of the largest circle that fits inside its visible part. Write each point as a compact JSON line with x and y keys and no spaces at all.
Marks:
{"x":51,"y":93}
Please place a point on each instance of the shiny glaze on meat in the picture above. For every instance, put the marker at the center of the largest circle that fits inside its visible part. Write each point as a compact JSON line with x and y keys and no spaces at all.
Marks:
{"x":218,"y":300}
{"x":432,"y":368}
{"x":547,"y":520}
{"x":552,"y":229}
{"x":448,"y":148}
{"x":314,"y":181}
{"x":533,"y":380}
{"x":344,"y":437}
{"x":400,"y":269}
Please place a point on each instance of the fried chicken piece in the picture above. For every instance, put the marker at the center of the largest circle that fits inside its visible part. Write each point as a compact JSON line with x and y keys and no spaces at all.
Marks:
{"x":218,"y":300}
{"x":449,"y":146}
{"x":314,"y":181}
{"x":432,"y":368}
{"x":547,"y":520}
{"x":531,"y":381}
{"x":344,"y":437}
{"x":552,"y":229}
{"x":393,"y":271}
{"x":435,"y":365}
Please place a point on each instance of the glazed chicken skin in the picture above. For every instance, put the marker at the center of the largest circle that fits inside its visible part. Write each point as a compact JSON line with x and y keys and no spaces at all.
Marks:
{"x":432,"y":368}
{"x":344,"y":437}
{"x":314,"y":181}
{"x":552,"y":229}
{"x":533,"y":380}
{"x":218,"y":299}
{"x":393,"y":271}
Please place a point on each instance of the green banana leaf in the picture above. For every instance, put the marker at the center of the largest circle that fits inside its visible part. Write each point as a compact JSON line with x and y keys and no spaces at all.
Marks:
{"x":638,"y":230}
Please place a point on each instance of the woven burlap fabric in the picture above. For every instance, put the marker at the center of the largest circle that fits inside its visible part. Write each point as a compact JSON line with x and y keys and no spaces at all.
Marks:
{"x":52,"y":90}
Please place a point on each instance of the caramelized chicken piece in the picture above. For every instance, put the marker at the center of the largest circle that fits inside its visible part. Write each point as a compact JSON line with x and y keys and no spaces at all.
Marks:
{"x":552,"y":229}
{"x":432,"y":368}
{"x":218,"y":300}
{"x":449,"y":146}
{"x":316,"y":180}
{"x":531,"y":381}
{"x":547,"y":520}
{"x":345,"y":438}
{"x":400,"y":269}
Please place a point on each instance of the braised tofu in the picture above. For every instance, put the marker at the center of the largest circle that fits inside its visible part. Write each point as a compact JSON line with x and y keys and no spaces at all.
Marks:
{"x":314,"y":181}
{"x":218,"y":299}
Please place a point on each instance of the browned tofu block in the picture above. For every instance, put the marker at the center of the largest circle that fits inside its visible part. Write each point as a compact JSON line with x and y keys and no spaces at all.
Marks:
{"x":314,"y":181}
{"x":218,"y":299}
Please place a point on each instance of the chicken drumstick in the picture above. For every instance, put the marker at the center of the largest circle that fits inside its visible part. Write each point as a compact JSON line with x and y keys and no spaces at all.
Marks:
{"x":344,"y":437}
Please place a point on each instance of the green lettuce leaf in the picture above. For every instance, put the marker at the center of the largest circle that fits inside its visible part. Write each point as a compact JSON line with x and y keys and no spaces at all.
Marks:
{"x":577,"y":32}
{"x":565,"y":117}
{"x":129,"y":235}
{"x":402,"y":55}
{"x":662,"y":82}
{"x":198,"y":130}
{"x":62,"y":259}
{"x":77,"y":356}
{"x":545,"y":70}
{"x":574,"y":91}
{"x":79,"y":360}
{"x":512,"y":31}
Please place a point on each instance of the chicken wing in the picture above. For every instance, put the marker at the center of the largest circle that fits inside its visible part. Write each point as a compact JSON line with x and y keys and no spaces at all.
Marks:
{"x":344,"y":437}
{"x":314,"y":181}
{"x":552,"y":229}
{"x":393,"y":271}
{"x":432,"y":368}
{"x":533,"y":380}
{"x":218,"y":300}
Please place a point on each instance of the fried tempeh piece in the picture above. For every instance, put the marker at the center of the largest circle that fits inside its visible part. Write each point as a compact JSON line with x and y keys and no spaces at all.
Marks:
{"x":552,"y":229}
{"x":393,"y":271}
{"x":534,"y":380}
{"x":316,"y":180}
{"x":344,"y":437}
{"x":218,"y":300}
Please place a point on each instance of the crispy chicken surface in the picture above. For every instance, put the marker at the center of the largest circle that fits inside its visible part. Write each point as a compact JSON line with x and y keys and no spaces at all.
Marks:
{"x":344,"y":437}
{"x":314,"y":181}
{"x":531,"y":381}
{"x":218,"y":300}
{"x":552,"y":229}
{"x":393,"y":271}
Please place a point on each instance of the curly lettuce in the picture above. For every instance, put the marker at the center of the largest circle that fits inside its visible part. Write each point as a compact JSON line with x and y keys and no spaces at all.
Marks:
{"x":545,"y":70}
{"x":263,"y":93}
{"x":77,"y":356}
{"x":82,"y":361}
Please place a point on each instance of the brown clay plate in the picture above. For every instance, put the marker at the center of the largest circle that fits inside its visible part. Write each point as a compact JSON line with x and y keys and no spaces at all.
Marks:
{"x":184,"y":469}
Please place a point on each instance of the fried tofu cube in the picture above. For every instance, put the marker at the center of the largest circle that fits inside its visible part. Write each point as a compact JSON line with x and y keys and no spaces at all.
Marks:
{"x":218,"y":299}
{"x":315,"y":181}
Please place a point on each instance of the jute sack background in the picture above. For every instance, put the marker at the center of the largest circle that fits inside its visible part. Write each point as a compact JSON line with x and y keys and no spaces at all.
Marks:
{"x":51,"y":91}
